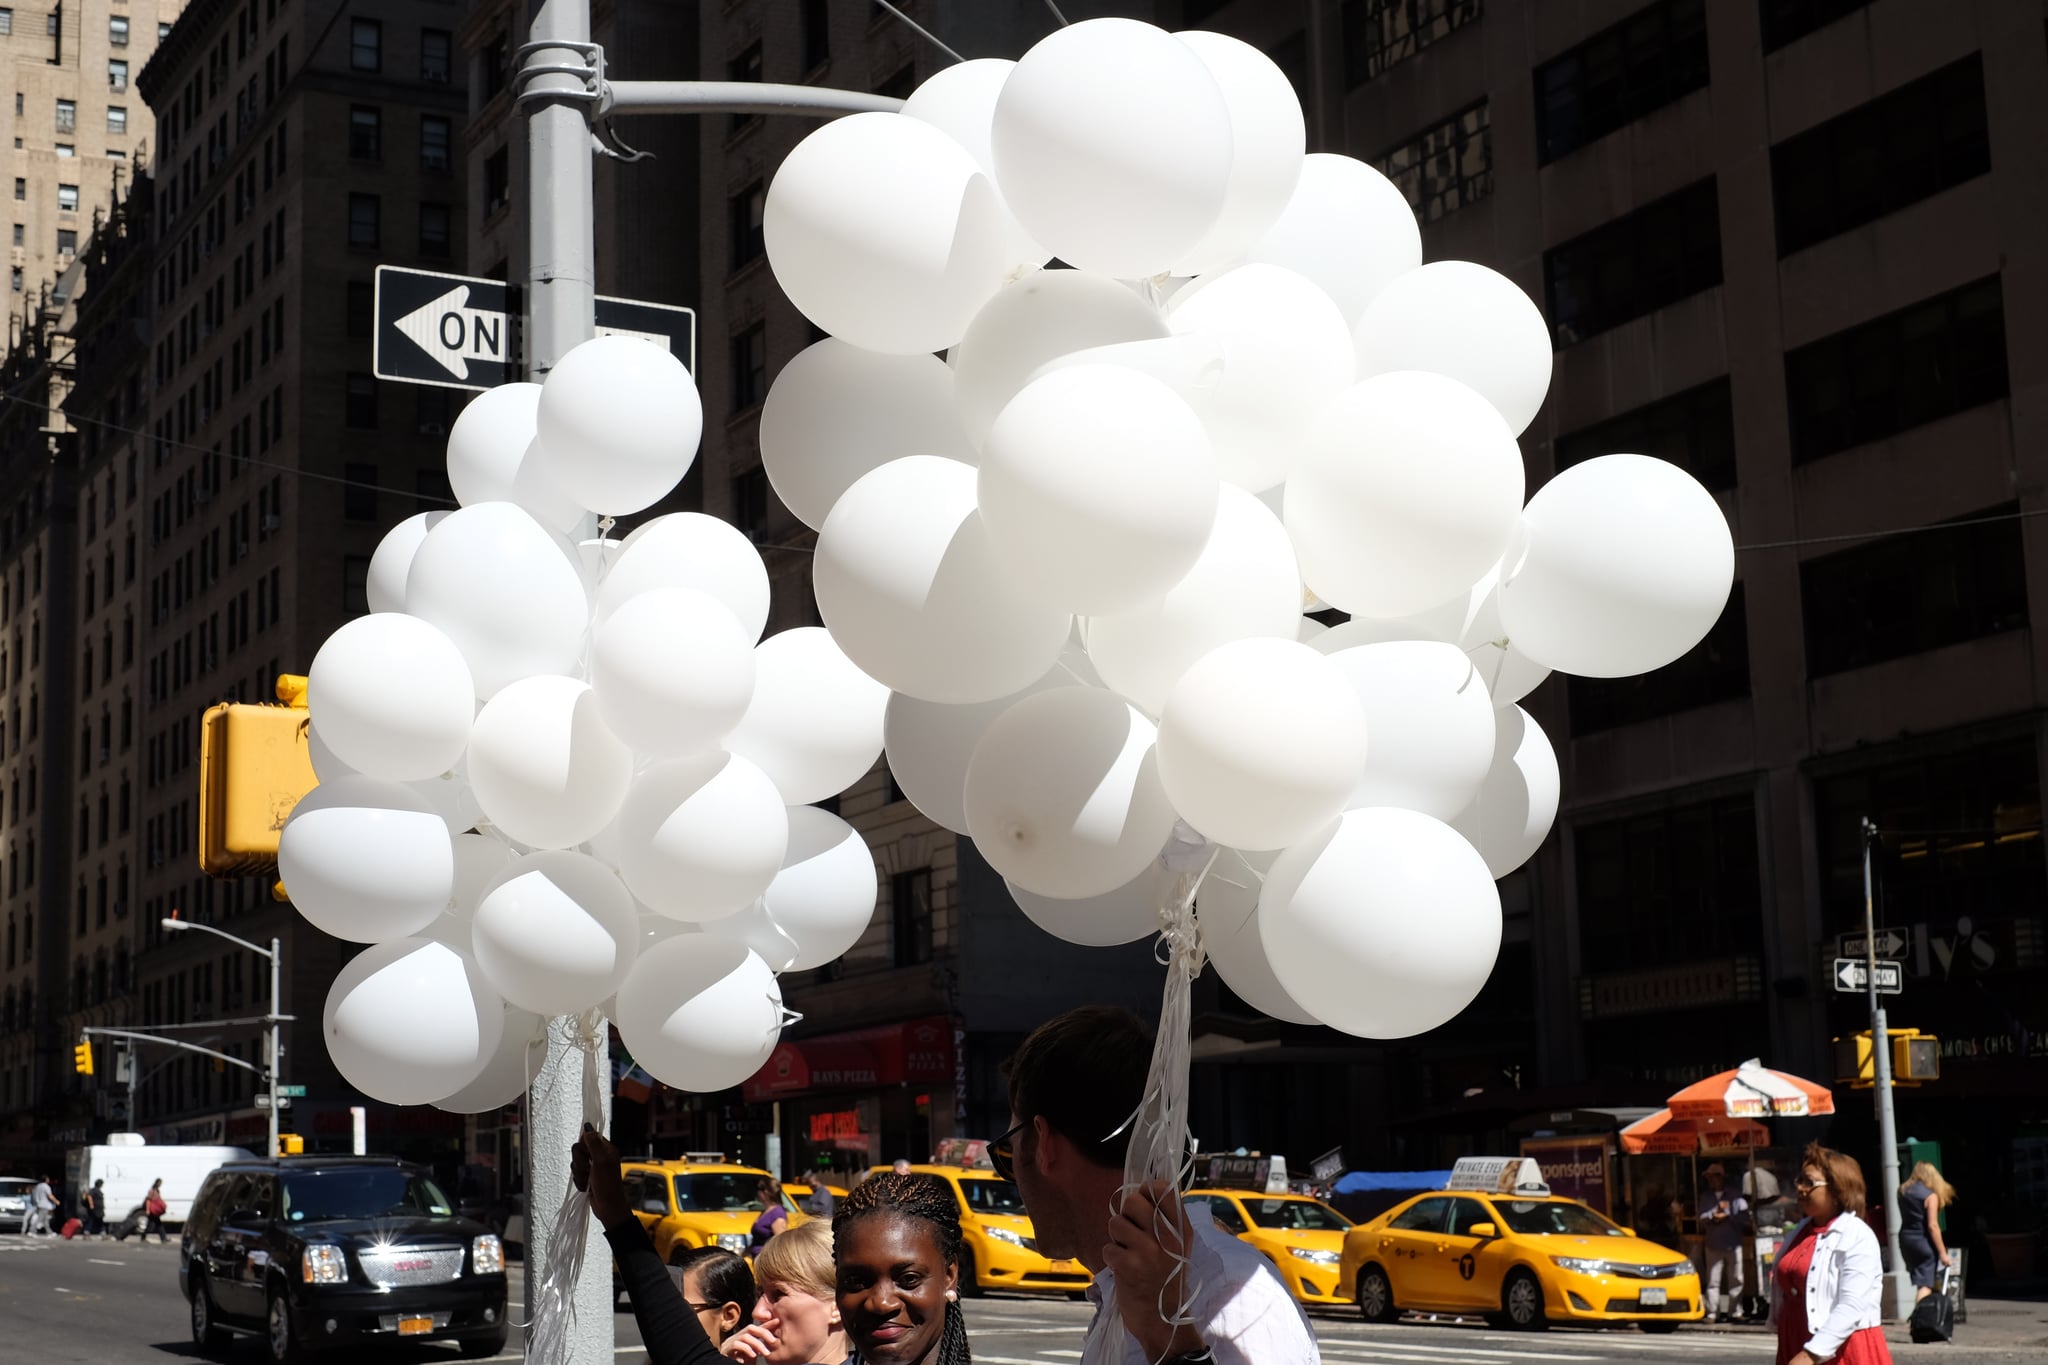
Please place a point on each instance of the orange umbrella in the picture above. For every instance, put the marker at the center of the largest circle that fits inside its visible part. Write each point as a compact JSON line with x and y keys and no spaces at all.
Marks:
{"x":1665,"y":1132}
{"x":1752,"y":1090}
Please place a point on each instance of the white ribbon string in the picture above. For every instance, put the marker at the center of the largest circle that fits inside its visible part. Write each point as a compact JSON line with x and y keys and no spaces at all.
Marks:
{"x":549,"y":1337}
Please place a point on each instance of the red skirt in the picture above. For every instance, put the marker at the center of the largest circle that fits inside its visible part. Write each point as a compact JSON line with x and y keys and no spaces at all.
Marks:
{"x":1866,"y":1347}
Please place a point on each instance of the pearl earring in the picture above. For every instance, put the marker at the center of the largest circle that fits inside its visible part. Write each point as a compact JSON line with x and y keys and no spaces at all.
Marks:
{"x":952,"y":1296}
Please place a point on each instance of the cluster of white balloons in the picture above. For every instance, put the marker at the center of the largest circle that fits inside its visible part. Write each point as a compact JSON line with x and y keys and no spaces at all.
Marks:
{"x":557,"y":776}
{"x":1078,"y":550}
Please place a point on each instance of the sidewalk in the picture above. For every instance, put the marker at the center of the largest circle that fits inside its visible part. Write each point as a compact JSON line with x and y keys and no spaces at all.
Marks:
{"x":1994,"y":1323}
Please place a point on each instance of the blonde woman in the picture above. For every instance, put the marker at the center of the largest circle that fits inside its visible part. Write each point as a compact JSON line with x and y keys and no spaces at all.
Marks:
{"x":796,"y":1320}
{"x":1921,"y":1200}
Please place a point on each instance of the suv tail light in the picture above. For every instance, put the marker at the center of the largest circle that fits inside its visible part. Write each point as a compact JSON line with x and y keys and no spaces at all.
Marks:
{"x":324,"y":1265}
{"x":487,"y":1255}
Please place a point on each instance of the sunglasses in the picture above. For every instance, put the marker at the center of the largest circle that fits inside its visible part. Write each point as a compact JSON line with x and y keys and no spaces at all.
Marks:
{"x":1002,"y":1153}
{"x":1805,"y":1186}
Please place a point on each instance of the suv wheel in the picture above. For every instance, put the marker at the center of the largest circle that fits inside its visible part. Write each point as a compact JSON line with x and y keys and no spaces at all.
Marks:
{"x":1521,"y":1302}
{"x":278,"y":1323}
{"x":207,"y":1335}
{"x":970,"y":1278}
{"x":1375,"y":1296}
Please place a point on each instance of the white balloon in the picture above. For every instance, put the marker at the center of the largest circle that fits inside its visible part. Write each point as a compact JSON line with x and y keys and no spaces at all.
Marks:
{"x":929,"y":745}
{"x":1407,"y":491}
{"x":1309,"y":630}
{"x":384,"y":587}
{"x":1098,"y":488}
{"x":1460,"y":319}
{"x":1063,"y":795}
{"x":522,"y":1046}
{"x":1245,"y":585}
{"x":1384,"y":924}
{"x":479,"y":862}
{"x":411,"y":1022}
{"x":821,"y":901}
{"x":1227,"y":905}
{"x":1113,"y":146}
{"x":699,"y":1014}
{"x":1516,"y":805}
{"x":492,"y":457}
{"x":619,"y":421}
{"x":556,"y":934}
{"x":326,"y":766}
{"x":1032,"y":322}
{"x":913,"y":592}
{"x":1627,"y":564}
{"x":960,"y":101}
{"x":1286,"y":354}
{"x":1268,"y":137}
{"x":672,"y":671}
{"x":815,"y":724}
{"x":883,"y":231}
{"x":544,"y":767}
{"x":594,"y":558}
{"x":1509,"y":673}
{"x":366,"y":861}
{"x":1260,"y":743}
{"x":754,"y":930}
{"x":505,"y":590}
{"x":452,"y":799}
{"x":690,"y":550}
{"x":1431,"y":723}
{"x":835,"y":412}
{"x":1348,"y":228}
{"x":392,"y":696}
{"x":701,"y":837}
{"x":1125,"y":915}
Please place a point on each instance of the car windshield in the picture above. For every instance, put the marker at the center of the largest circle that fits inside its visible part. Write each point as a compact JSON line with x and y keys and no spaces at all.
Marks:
{"x":993,"y":1196}
{"x":375,"y":1192}
{"x":731,"y":1192}
{"x":1296,"y":1215}
{"x":1539,"y":1219}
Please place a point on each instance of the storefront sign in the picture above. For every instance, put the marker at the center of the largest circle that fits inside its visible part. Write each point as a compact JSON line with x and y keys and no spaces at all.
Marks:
{"x":1673,"y":988}
{"x":1575,"y":1168}
{"x":920,"y":1050}
{"x":838,"y":1123}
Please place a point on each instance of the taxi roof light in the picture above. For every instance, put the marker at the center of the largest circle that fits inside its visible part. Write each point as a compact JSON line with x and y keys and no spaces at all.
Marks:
{"x":1517,"y":1175}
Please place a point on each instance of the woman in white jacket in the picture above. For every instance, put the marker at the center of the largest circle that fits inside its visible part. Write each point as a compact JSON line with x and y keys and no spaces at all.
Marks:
{"x":1828,"y":1278}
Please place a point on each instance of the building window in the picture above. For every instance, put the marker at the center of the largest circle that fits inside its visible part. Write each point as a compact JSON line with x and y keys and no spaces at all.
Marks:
{"x":1937,"y":357}
{"x":1694,"y":430}
{"x":365,"y":133}
{"x":497,"y":182}
{"x":20,"y":188}
{"x":1445,"y":166}
{"x":361,"y":308}
{"x":743,"y":217}
{"x":1787,"y":21}
{"x":1910,"y":593}
{"x":359,"y":494}
{"x":21,"y":234}
{"x":117,"y":75}
{"x":66,"y":149}
{"x":355,"y":584}
{"x":6,"y":27}
{"x":117,"y":31}
{"x":67,"y":116}
{"x":1670,"y":887}
{"x":117,"y":118}
{"x":1663,"y":252}
{"x":14,"y":279}
{"x":814,"y":17}
{"x":67,"y":242}
{"x":434,"y":231}
{"x":910,"y":903}
{"x":365,"y":220}
{"x":434,"y":142}
{"x":749,"y":367}
{"x":1714,"y":670}
{"x":1896,"y":150}
{"x":366,"y":45}
{"x":361,"y":409}
{"x":436,"y":50}
{"x":745,"y":67}
{"x":1382,"y":33}
{"x":67,"y":198}
{"x":1620,"y":74}
{"x":750,"y":499}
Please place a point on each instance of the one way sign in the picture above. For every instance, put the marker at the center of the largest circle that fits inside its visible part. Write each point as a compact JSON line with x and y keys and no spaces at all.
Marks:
{"x":1852,"y":974}
{"x":460,"y":332}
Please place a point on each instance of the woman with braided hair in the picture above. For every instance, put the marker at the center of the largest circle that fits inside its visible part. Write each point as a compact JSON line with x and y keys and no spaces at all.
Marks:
{"x":897,"y":1246}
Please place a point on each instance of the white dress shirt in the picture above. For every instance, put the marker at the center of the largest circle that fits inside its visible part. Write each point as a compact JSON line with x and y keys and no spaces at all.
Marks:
{"x":1241,"y":1308}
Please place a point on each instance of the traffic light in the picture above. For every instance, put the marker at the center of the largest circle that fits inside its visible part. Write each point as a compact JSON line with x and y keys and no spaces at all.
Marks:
{"x":254,"y":765}
{"x":81,"y":1059}
{"x":290,"y":1144}
{"x":1853,"y":1064}
{"x":1916,"y":1058}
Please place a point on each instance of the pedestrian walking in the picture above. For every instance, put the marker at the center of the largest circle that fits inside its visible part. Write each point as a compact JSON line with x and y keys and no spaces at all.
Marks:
{"x":1921,"y":1200}
{"x":153,"y":1209}
{"x":42,"y":1204}
{"x":1829,"y":1284}
{"x":1722,"y":1224}
{"x":94,"y":1205}
{"x":1074,"y":1086}
{"x":773,"y":1218}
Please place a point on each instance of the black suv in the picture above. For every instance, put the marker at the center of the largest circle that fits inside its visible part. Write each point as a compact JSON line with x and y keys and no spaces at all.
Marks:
{"x":319,"y":1252}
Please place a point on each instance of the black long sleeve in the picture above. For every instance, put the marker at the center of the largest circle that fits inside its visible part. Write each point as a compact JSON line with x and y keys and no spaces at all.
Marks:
{"x":671,"y":1332}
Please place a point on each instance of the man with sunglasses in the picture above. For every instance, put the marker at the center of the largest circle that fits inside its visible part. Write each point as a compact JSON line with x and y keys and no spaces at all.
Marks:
{"x":1074,"y":1086}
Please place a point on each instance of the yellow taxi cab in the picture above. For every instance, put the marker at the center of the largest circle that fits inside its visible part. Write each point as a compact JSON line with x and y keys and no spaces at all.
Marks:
{"x":796,"y":1195}
{"x":1496,"y":1243}
{"x":701,"y":1200}
{"x":1302,"y":1237}
{"x":1002,"y":1251}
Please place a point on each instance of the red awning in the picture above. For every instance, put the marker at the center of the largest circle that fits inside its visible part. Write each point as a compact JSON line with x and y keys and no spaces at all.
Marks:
{"x":893,"y":1054}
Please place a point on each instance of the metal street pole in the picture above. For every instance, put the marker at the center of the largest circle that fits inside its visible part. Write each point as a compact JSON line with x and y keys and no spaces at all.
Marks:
{"x":276,"y":1045}
{"x":1881,"y":1062}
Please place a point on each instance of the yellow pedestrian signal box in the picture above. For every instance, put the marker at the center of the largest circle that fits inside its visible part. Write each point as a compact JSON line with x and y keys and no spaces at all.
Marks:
{"x":254,"y":765}
{"x":290,"y":1144}
{"x":1916,"y":1058}
{"x":81,"y":1059}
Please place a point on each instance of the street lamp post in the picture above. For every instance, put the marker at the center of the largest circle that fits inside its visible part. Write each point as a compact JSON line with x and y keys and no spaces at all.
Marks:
{"x":1897,"y":1280}
{"x":276,"y":1016}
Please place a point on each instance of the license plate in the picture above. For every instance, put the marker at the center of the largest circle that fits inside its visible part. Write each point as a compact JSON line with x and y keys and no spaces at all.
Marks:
{"x":1062,"y":1265}
{"x":415,"y":1327}
{"x":1651,"y":1298}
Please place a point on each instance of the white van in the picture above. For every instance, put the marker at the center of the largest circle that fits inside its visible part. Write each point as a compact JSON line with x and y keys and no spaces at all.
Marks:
{"x":129,"y":1165}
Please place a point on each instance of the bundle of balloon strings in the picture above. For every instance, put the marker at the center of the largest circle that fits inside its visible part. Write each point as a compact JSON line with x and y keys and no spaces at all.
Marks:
{"x":550,"y":1333}
{"x":1160,"y":1150}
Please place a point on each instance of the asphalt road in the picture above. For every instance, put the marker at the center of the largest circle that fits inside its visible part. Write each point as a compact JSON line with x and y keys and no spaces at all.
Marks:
{"x":91,"y":1303}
